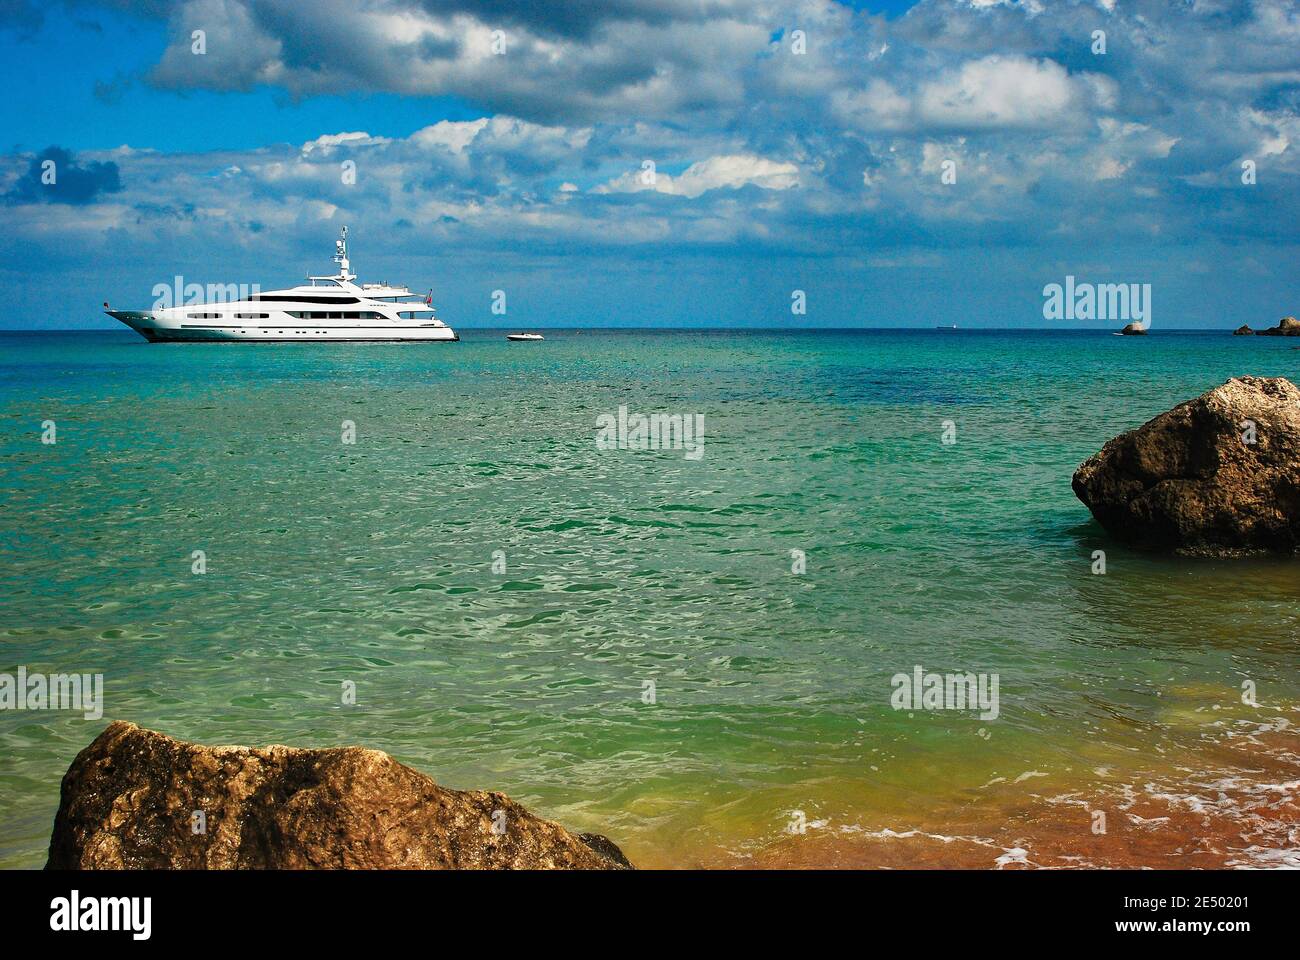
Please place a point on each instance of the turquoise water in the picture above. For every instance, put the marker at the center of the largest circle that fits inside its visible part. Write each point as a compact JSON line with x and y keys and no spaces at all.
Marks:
{"x":373,"y":563}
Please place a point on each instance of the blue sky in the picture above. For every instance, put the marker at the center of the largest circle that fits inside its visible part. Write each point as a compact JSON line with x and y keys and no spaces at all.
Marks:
{"x":776,"y":169}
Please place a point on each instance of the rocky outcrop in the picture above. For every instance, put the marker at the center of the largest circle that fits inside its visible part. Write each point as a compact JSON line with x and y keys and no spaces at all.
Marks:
{"x":1286,"y":327}
{"x":1218,"y":475}
{"x":136,"y":799}
{"x":1243,"y":331}
{"x":1134,"y":329}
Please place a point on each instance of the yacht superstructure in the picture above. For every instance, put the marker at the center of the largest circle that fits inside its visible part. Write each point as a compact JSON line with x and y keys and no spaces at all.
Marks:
{"x":333,"y":308}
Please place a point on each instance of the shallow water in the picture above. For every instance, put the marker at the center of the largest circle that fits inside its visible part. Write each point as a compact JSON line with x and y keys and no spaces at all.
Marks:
{"x":372,"y":563}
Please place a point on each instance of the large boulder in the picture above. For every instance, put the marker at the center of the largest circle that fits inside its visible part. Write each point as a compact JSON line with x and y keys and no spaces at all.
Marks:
{"x":1286,"y":327}
{"x":1134,"y":329}
{"x":136,"y":799}
{"x":1243,"y":331}
{"x":1190,"y":481}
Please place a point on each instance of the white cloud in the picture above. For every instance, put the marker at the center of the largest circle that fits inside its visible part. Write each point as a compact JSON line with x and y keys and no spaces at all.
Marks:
{"x":559,"y":60}
{"x":998,"y":91}
{"x":992,"y":93}
{"x":451,"y":135}
{"x":330,"y":140}
{"x":715,"y":173}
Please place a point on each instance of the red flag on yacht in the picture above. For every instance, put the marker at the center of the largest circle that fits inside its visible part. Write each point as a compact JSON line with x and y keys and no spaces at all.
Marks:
{"x":428,"y":301}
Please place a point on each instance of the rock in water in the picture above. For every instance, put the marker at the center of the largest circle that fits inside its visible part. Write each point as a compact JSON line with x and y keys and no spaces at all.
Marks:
{"x":137,"y":799}
{"x":1243,"y":331}
{"x":1286,"y":327}
{"x":1134,"y":329}
{"x":1191,"y":480}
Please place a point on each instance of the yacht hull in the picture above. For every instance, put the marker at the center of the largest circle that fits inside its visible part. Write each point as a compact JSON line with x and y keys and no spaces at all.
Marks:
{"x":157,"y":329}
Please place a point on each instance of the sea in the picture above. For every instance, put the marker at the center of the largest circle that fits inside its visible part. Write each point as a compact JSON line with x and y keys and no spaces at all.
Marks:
{"x":699,"y":650}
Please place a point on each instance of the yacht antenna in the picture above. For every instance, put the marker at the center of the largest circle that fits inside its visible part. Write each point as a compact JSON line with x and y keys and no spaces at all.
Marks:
{"x":341,"y":255}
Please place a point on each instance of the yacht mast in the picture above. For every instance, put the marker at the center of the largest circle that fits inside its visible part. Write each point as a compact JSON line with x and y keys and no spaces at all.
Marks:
{"x":341,"y":256}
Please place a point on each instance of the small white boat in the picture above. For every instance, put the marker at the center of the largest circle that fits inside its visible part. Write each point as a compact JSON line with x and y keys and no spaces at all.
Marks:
{"x":524,"y":336}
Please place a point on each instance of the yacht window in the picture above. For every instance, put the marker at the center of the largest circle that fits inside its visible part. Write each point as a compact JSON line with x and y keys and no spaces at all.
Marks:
{"x":303,"y":299}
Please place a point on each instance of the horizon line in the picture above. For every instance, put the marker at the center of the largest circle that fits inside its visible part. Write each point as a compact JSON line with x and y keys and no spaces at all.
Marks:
{"x":947,"y":329}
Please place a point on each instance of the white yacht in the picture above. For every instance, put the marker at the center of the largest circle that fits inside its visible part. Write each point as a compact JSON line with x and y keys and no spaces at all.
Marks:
{"x":332,"y":308}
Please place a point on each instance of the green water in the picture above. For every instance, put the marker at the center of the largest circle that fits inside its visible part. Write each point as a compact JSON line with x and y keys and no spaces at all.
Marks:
{"x":372,"y":563}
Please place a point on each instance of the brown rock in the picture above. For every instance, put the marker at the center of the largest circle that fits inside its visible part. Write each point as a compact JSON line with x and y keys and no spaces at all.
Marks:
{"x":1187,"y":480}
{"x":1243,"y":331}
{"x":1286,"y":327}
{"x":1134,"y":329}
{"x":128,"y":802}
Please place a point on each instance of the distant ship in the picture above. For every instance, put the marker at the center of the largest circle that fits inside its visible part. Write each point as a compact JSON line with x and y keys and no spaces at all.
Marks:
{"x":524,"y":336}
{"x":329,"y":308}
{"x":946,"y":326}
